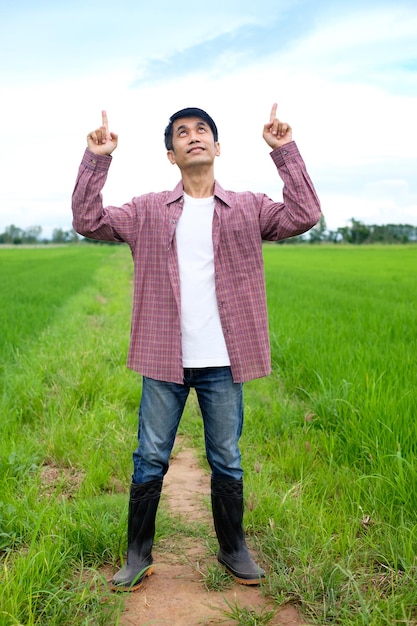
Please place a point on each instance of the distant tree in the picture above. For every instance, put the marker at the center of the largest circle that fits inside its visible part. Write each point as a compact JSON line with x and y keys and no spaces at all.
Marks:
{"x":401,"y":233}
{"x":13,"y":234}
{"x":64,"y":236}
{"x":32,"y":234}
{"x":319,"y":232}
{"x":392,"y":233}
{"x":333,"y":236}
{"x":357,"y":232}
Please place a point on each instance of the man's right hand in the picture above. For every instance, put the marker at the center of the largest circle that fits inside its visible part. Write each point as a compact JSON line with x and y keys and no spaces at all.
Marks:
{"x":102,"y":141}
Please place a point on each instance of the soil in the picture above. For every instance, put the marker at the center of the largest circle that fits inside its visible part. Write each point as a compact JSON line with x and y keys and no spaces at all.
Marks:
{"x":175,"y":594}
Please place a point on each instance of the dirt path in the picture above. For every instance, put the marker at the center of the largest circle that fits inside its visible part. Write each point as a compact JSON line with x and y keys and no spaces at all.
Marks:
{"x":175,"y":595}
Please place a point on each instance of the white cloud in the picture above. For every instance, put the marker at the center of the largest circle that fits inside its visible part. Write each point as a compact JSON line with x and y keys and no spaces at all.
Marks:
{"x":358,"y":40}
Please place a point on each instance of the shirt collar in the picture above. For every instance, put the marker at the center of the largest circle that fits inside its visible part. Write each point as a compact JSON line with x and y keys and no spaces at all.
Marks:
{"x":219,"y":193}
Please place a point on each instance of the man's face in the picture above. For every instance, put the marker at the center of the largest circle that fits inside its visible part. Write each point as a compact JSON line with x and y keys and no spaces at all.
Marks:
{"x":192,"y":143}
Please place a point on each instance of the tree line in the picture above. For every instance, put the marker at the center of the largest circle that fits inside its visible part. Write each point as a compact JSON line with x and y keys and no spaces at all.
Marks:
{"x":33,"y":235}
{"x":356,"y":232}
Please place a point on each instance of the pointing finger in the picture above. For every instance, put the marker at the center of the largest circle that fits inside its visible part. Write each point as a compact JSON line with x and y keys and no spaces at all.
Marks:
{"x":105,"y":121}
{"x":273,"y":112}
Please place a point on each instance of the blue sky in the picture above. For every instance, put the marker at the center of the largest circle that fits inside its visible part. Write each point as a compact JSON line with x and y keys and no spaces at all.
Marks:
{"x":344,"y":75}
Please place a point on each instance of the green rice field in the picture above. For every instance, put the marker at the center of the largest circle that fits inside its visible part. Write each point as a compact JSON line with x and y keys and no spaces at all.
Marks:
{"x":329,"y":444}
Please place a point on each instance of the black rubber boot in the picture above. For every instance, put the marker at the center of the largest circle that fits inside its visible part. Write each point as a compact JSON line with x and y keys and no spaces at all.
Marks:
{"x":143,"y":504}
{"x":227,"y":505}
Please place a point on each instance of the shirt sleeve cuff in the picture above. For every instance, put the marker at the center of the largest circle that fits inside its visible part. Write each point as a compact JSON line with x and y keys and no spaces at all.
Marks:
{"x":96,"y":161}
{"x":285,"y":153}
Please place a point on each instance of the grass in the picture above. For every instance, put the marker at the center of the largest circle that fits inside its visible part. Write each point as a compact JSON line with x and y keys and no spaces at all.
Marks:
{"x":244,"y":616}
{"x":215,"y":578}
{"x":35,"y":283}
{"x":338,"y":478}
{"x":328,"y":446}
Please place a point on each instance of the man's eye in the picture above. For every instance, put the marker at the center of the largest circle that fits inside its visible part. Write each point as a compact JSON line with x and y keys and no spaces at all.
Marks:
{"x":201,"y":129}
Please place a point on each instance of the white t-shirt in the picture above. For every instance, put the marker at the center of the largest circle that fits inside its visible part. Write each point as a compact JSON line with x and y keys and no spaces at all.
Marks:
{"x":203,"y":342}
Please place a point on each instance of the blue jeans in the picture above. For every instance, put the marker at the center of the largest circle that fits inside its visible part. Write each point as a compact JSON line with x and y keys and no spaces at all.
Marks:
{"x":161,"y":409}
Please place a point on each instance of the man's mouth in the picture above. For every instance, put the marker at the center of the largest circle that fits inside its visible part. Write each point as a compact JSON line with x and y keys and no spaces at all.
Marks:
{"x":196,"y":149}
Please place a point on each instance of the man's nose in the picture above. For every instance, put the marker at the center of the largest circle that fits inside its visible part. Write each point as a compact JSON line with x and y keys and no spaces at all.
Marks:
{"x":194,"y":137}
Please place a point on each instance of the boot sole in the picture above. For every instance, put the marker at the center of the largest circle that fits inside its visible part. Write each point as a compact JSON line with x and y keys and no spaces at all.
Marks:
{"x":130,"y":588}
{"x":244,"y":581}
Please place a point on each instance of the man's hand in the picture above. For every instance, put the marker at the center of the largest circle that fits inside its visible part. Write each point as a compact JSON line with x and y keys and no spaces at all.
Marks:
{"x":101,"y":141}
{"x":276,"y":133}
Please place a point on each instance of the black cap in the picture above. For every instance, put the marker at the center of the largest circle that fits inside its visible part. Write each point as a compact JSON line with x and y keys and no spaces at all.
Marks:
{"x":189,"y":112}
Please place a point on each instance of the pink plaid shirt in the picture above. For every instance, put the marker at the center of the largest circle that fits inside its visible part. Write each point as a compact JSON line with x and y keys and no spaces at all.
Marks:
{"x":241,"y":221}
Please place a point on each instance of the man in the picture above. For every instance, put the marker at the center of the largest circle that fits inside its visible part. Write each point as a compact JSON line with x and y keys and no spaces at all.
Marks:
{"x":199,"y":315}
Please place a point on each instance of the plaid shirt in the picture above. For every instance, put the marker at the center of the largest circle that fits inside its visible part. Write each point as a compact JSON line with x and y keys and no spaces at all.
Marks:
{"x":241,"y":221}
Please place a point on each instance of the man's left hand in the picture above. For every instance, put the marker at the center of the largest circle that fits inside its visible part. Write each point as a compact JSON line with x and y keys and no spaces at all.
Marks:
{"x":276,"y":133}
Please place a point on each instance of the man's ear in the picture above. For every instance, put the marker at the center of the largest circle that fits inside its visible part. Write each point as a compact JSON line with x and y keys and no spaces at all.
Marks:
{"x":171,"y":157}
{"x":217,"y":148}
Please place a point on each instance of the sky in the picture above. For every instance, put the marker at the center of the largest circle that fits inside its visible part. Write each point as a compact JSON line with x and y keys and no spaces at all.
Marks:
{"x":344,"y":75}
